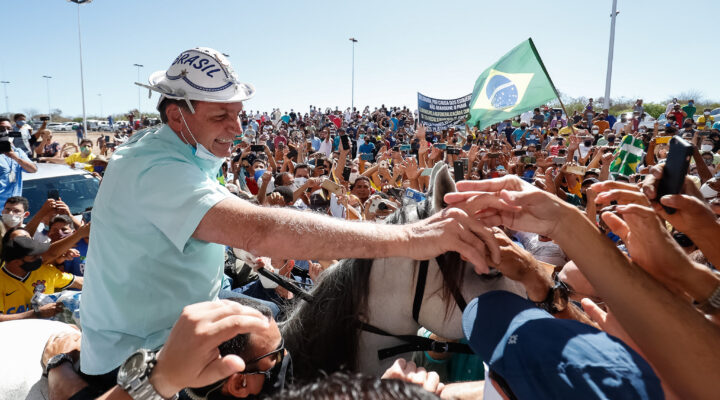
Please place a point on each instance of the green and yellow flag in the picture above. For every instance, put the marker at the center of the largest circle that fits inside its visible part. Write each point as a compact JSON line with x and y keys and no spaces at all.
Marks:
{"x":628,"y":156}
{"x":516,"y":83}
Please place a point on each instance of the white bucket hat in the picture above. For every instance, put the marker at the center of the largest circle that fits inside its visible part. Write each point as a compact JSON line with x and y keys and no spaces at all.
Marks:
{"x":201,"y":74}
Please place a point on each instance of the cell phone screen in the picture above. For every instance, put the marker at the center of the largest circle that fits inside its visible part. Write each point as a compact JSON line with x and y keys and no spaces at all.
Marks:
{"x":53,"y":194}
{"x":675,"y":169}
{"x":459,"y":170}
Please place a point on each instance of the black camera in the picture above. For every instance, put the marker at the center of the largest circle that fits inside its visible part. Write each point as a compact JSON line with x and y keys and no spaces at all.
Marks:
{"x":6,"y":141}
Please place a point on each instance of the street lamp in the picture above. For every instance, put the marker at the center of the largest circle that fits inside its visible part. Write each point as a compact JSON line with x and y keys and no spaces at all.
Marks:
{"x":47,"y":84}
{"x":7,"y":103}
{"x":82,"y":79}
{"x":138,"y":80}
{"x":610,"y":54}
{"x":352,"y":97}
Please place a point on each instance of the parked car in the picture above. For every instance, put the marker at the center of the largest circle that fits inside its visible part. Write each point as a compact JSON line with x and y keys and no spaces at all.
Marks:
{"x":57,"y":126}
{"x":71,"y":125}
{"x":77,"y":187}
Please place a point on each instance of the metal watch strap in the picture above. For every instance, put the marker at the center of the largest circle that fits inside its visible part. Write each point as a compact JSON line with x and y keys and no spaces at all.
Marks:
{"x":144,"y":390}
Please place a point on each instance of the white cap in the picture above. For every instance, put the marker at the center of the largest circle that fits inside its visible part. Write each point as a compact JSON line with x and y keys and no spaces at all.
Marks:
{"x":201,"y":74}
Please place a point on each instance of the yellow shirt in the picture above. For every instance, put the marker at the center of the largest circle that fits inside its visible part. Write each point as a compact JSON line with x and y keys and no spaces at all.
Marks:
{"x":566,"y":130}
{"x":17,"y":291}
{"x":701,"y":125}
{"x":78,"y":157}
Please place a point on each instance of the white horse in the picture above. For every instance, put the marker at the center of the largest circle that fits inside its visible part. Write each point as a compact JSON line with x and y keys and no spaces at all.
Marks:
{"x":327,"y":333}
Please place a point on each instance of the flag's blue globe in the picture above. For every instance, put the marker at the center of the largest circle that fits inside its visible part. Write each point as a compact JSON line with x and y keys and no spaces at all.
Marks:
{"x":501,"y":92}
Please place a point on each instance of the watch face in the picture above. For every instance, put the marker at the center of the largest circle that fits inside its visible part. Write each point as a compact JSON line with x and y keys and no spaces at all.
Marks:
{"x":132,"y":368}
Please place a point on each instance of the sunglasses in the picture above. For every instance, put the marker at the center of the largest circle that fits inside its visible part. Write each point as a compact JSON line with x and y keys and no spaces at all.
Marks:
{"x":278,"y":355}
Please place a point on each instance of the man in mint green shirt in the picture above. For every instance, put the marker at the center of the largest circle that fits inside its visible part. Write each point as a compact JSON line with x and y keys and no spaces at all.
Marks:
{"x":690,"y":109}
{"x":161,"y":220}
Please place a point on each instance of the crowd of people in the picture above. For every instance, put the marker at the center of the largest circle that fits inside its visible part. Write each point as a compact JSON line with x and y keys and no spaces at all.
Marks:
{"x":622,"y":294}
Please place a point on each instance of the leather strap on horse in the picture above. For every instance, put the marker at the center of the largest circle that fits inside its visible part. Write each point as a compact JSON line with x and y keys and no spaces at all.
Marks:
{"x":420,"y":288}
{"x":415,"y":343}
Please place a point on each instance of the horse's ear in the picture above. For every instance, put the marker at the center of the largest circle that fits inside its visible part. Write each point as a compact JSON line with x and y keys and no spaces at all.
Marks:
{"x":441,"y":183}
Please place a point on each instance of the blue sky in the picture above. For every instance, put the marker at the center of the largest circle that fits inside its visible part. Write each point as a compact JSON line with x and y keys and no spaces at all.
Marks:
{"x":297,"y":53}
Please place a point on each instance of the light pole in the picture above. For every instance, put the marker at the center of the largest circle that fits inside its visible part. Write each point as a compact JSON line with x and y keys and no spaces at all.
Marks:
{"x":82,"y":79}
{"x":47,"y":84}
{"x":7,"y":103}
{"x":138,"y":79}
{"x":610,"y":54}
{"x":102,"y":115}
{"x":352,"y":97}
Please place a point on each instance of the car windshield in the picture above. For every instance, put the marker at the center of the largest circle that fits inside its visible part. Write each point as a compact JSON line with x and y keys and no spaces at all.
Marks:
{"x":77,"y":191}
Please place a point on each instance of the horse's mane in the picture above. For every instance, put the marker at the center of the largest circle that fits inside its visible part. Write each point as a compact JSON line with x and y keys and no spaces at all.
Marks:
{"x":322,"y":335}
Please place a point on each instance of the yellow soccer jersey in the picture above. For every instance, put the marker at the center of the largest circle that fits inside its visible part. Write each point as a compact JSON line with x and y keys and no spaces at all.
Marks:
{"x":17,"y":291}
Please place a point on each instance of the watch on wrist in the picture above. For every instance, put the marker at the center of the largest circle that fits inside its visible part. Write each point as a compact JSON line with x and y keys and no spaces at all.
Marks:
{"x":56,"y":361}
{"x":134,"y":376}
{"x":556,"y":300}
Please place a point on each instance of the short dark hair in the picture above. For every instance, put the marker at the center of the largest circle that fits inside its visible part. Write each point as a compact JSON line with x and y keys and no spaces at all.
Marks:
{"x":239,"y":344}
{"x":86,"y":141}
{"x":280,"y":178}
{"x":356,"y":386}
{"x":19,"y":200}
{"x":307,"y":167}
{"x":62,"y":218}
{"x":162,"y":107}
{"x":4,"y":119}
{"x":285,"y":192}
{"x":18,"y":116}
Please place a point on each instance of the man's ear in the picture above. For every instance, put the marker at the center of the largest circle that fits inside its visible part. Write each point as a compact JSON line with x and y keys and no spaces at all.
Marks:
{"x":234,"y":386}
{"x":27,"y":214}
{"x":174,"y":119}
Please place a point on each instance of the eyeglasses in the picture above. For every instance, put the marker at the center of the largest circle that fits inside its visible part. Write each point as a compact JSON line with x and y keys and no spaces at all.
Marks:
{"x":278,"y":355}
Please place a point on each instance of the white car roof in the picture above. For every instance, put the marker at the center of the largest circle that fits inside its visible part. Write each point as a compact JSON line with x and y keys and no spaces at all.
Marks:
{"x":46,"y":170}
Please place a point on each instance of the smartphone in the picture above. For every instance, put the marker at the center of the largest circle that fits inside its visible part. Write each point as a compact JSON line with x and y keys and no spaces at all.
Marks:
{"x":292,"y":153}
{"x":519,"y":153}
{"x":87,"y":215}
{"x":404,"y":147}
{"x":5,"y":146}
{"x":459,"y":171}
{"x":441,"y":146}
{"x":493,"y":155}
{"x":675,"y":169}
{"x":426,"y":172}
{"x":610,"y":149}
{"x":346,"y":173}
{"x":44,"y":118}
{"x":453,"y":150}
{"x":366,"y":156}
{"x":331,"y":187}
{"x":528,"y":160}
{"x":345,"y":142}
{"x":257,"y":147}
{"x":414,"y":195}
{"x":559,"y":160}
{"x":663,"y":139}
{"x":53,"y":194}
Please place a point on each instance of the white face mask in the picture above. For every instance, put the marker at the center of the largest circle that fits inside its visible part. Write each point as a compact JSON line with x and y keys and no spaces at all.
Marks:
{"x":200,"y":151}
{"x":595,"y":131}
{"x":706,"y":147}
{"x":267,"y":283}
{"x":12,"y":220}
{"x":705,"y":189}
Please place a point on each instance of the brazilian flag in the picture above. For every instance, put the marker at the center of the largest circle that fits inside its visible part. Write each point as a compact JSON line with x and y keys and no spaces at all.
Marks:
{"x":627,"y":156}
{"x":516,"y":83}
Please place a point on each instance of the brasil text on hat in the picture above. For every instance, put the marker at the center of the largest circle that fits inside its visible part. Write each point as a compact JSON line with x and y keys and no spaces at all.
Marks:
{"x":201,"y":74}
{"x":533,"y":355}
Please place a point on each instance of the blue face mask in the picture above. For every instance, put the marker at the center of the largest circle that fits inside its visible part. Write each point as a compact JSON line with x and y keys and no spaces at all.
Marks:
{"x":199,"y":150}
{"x":20,"y":124}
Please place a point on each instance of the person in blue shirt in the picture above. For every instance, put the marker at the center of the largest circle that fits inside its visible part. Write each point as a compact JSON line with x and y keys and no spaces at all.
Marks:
{"x":518,"y":133}
{"x":366,"y":147}
{"x":161,"y":220}
{"x":12,"y":165}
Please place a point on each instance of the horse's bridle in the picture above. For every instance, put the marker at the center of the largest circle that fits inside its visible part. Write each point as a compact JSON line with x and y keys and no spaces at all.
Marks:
{"x":419,"y":343}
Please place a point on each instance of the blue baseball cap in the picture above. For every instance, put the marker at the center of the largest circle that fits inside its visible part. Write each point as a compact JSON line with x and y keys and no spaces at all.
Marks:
{"x":537,"y":356}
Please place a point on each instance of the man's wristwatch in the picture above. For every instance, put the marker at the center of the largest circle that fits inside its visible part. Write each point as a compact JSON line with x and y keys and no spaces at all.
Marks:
{"x":134,"y":376}
{"x":556,"y":300}
{"x":56,"y":361}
